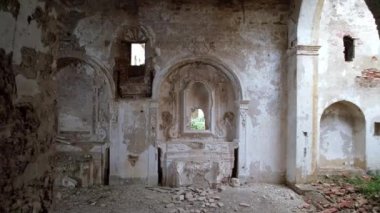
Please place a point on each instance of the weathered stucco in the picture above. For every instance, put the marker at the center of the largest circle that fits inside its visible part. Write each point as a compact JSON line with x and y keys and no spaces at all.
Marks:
{"x":251,"y":42}
{"x":342,"y":138}
{"x":27,"y":118}
{"x":338,"y":78}
{"x":281,"y":102}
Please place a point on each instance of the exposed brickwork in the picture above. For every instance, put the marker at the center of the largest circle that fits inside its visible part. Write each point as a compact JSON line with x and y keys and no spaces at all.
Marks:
{"x":369,"y":78}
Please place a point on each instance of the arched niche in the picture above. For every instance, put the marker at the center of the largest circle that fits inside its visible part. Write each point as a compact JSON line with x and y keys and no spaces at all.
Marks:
{"x":342,"y":138}
{"x":191,"y":156}
{"x":181,"y":92}
{"x":83,"y":97}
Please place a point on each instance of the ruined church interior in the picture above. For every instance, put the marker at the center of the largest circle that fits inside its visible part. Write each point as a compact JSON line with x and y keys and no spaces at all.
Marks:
{"x":189,"y":106}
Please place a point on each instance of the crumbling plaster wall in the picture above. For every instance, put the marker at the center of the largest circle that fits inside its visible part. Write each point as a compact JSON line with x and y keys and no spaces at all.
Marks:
{"x":28,"y":121}
{"x":83,"y":107}
{"x":132,"y":153}
{"x":250,"y":38}
{"x":337,"y":78}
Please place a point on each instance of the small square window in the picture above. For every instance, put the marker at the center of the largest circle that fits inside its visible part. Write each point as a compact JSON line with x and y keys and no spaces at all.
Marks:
{"x":137,"y":54}
{"x":377,"y":128}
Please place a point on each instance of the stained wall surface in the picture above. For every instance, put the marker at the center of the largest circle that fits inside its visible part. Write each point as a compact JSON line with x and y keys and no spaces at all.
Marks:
{"x":109,"y":136}
{"x":252,"y":42}
{"x":27,"y":112}
{"x":354,"y":81}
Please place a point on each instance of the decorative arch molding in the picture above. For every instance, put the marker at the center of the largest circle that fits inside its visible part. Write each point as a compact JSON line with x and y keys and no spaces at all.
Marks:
{"x":92,"y":62}
{"x":232,"y":76}
{"x":341,"y":100}
{"x":309,"y":21}
{"x":134,"y":32}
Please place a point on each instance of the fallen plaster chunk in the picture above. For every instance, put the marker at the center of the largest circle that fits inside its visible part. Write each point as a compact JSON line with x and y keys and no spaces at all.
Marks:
{"x":69,"y":182}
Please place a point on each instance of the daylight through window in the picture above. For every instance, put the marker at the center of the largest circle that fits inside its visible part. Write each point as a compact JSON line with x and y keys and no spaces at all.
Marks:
{"x":198,"y":121}
{"x":138,"y":54}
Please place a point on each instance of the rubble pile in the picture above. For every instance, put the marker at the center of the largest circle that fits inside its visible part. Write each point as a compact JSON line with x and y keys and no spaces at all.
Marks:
{"x":337,"y":195}
{"x":192,"y":200}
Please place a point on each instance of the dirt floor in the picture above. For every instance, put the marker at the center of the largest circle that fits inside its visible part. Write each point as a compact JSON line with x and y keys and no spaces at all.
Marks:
{"x":139,"y":198}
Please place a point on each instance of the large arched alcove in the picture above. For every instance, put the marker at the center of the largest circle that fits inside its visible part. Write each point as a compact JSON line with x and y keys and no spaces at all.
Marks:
{"x":342,"y":138}
{"x":189,"y":155}
{"x":83,"y":107}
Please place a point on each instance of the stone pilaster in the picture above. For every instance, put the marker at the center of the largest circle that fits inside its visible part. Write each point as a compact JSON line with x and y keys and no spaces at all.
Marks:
{"x":242,"y":141}
{"x":302,"y":103}
{"x":152,"y":137}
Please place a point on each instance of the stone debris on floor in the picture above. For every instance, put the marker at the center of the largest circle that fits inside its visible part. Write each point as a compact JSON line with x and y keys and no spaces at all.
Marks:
{"x":139,"y":198}
{"x":337,"y":195}
{"x":205,"y":198}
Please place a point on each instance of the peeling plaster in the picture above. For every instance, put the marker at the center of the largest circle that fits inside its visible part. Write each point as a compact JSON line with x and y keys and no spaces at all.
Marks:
{"x":26,"y":87}
{"x":28,"y":35}
{"x":7,"y":31}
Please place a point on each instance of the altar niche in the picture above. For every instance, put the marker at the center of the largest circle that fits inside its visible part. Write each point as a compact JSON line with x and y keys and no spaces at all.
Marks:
{"x":198,"y":126}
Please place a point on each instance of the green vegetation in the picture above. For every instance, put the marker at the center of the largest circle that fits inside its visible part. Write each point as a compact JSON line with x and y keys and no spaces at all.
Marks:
{"x":368,"y":186}
{"x":198,"y":123}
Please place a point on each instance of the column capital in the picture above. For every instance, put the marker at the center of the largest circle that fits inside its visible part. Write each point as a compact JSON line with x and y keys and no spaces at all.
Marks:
{"x":153,"y":104}
{"x":244,"y":104}
{"x":307,"y":49}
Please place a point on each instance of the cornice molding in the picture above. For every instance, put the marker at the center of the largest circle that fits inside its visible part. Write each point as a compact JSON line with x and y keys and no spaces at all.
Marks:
{"x":307,"y":49}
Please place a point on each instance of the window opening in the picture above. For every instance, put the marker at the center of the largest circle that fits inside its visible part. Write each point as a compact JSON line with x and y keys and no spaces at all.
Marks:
{"x":236,"y":164}
{"x":198,"y":121}
{"x":138,"y":54}
{"x":377,"y":128}
{"x":349,"y":48}
{"x":160,"y":174}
